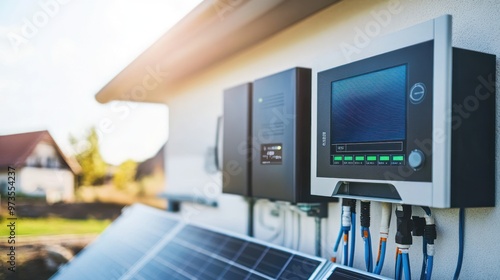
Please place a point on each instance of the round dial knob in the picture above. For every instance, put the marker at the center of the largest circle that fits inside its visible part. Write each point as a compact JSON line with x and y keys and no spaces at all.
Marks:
{"x":416,"y":159}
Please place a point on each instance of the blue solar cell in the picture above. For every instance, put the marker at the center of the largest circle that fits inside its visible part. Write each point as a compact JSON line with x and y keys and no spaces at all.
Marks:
{"x":232,"y":248}
{"x":273,"y":262}
{"x":235,"y":273}
{"x":299,"y":267}
{"x":251,"y":254}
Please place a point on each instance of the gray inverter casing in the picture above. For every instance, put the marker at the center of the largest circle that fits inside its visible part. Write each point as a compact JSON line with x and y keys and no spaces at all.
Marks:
{"x":281,"y":125}
{"x":443,"y":154}
{"x":236,"y":151}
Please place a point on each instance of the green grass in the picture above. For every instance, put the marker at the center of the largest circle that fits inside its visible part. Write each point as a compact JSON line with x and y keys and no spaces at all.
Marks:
{"x":54,"y":226}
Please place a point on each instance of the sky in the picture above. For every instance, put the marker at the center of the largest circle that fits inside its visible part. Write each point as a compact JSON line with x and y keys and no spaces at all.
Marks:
{"x":55,"y":55}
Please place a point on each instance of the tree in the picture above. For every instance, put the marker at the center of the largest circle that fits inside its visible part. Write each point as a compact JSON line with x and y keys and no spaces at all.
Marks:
{"x":89,"y":157}
{"x":125,"y":174}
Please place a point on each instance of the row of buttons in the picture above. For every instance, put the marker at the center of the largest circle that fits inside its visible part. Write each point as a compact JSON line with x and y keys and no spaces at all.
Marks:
{"x":368,"y":159}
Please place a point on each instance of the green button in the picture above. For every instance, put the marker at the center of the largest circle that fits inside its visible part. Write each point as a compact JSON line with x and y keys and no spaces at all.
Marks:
{"x":359,"y":158}
{"x":337,"y":158}
{"x":348,"y":158}
{"x":384,"y":158}
{"x":371,"y":158}
{"x":398,"y":158}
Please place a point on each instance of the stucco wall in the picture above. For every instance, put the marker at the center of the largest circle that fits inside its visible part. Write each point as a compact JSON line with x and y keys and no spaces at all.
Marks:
{"x":319,"y":42}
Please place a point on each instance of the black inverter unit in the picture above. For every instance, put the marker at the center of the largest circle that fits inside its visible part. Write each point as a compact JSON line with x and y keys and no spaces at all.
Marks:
{"x":236,"y":151}
{"x":281,"y":130}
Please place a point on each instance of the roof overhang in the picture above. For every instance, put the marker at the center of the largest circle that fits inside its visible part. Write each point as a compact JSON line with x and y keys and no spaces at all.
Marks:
{"x":213,"y":31}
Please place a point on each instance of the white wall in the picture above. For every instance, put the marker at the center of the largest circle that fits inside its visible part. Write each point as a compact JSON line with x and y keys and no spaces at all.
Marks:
{"x":316,"y":43}
{"x":56,"y":184}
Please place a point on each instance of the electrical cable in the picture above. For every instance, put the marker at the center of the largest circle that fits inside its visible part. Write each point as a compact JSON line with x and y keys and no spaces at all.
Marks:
{"x":352,"y":204}
{"x":336,"y":246}
{"x":337,"y":242}
{"x":384,"y":234}
{"x":370,"y":255}
{"x":429,"y":235}
{"x":424,"y":260}
{"x":353,"y":239}
{"x":365,"y":234}
{"x":406,"y":265}
{"x":427,"y":210}
{"x":297,"y":246}
{"x":368,"y":252}
{"x":279,"y":230}
{"x":317,"y":245}
{"x":403,"y":239}
{"x":292,"y":228}
{"x":398,"y":269}
{"x":428,"y":272}
{"x":380,"y":256}
{"x":261,"y":220}
{"x":283,"y":225}
{"x":461,"y":236}
{"x":348,"y":205}
{"x":346,"y":247}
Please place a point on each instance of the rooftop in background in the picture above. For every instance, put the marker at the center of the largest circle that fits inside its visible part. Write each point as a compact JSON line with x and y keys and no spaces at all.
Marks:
{"x":16,"y":148}
{"x":214,"y":30}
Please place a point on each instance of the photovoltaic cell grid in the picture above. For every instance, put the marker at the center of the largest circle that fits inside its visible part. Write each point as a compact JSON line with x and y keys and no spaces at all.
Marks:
{"x":121,"y":245}
{"x":198,"y":253}
{"x":147,"y":244}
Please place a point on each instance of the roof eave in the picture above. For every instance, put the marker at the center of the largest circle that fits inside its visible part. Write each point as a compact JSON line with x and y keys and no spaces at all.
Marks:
{"x":210,"y":33}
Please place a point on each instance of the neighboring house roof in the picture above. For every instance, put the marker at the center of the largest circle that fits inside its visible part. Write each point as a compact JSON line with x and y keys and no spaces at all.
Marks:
{"x":211,"y":32}
{"x":16,"y":148}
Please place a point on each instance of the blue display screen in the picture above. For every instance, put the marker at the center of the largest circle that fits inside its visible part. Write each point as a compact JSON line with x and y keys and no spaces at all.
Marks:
{"x":370,"y":107}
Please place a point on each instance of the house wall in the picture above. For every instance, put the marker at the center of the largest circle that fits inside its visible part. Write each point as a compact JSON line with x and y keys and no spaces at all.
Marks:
{"x":45,"y":155}
{"x":55,"y":184}
{"x":317,"y":43}
{"x":44,"y":174}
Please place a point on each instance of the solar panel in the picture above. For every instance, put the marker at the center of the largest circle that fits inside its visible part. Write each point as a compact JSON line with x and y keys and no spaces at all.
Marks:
{"x":120,"y":246}
{"x":145,"y":243}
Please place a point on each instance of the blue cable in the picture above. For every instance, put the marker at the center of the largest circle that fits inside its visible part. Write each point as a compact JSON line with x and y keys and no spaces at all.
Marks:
{"x":346,"y":247}
{"x":380,"y":264}
{"x":368,"y":251}
{"x":424,"y":260}
{"x":397,"y":271}
{"x":370,"y":255}
{"x":353,"y":239}
{"x":337,"y":242}
{"x":339,"y":238}
{"x":406,"y":266}
{"x":461,"y":233}
{"x":428,"y":273}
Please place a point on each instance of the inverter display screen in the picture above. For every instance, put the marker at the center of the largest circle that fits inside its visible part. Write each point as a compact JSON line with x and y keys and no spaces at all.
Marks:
{"x":370,"y":107}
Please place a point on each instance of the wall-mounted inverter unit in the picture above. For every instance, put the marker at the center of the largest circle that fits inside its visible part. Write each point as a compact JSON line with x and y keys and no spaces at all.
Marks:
{"x":412,"y":124}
